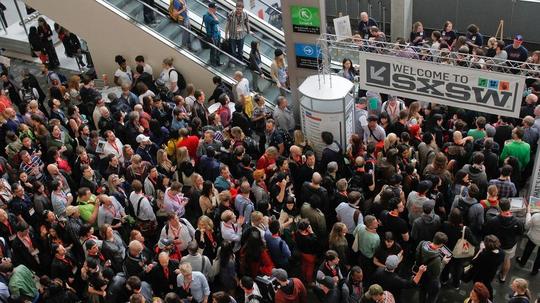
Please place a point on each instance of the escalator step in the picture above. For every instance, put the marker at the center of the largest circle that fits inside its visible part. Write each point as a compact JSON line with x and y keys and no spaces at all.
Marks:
{"x":133,"y":8}
{"x":162,"y":24}
{"x":118,"y":3}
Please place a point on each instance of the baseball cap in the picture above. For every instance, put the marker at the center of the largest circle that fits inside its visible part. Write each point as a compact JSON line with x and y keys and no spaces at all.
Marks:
{"x":142,"y":138}
{"x":518,"y":37}
{"x":279,"y":274}
{"x":211,"y":5}
{"x":392,"y":262}
{"x":164,"y":243}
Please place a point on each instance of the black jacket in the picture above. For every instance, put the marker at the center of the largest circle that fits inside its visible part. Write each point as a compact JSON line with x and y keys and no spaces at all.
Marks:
{"x":507,"y":229}
{"x":159,"y":282}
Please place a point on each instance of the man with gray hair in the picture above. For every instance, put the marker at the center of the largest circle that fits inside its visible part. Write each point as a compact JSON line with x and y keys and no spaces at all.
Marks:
{"x":241,"y":89}
{"x":530,"y":133}
{"x":537,"y":117}
{"x":365,"y":24}
{"x":528,"y":108}
{"x":243,"y":204}
{"x":283,"y":115}
{"x":197,"y":261}
{"x":208,"y":141}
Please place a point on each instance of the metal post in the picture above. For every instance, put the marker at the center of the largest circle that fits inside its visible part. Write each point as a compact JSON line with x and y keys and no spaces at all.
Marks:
{"x":3,"y":27}
{"x":384,"y":19}
{"x":369,"y":7}
{"x":380,"y":9}
{"x":20,"y":17}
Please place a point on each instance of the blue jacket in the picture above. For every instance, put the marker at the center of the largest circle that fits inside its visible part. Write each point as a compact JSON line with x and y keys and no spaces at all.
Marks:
{"x":212,"y":26}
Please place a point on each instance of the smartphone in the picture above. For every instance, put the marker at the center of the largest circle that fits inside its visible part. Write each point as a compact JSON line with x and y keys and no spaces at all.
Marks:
{"x":115,"y":221}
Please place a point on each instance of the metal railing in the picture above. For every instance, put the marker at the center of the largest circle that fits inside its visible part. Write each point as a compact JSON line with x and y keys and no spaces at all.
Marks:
{"x":347,"y":48}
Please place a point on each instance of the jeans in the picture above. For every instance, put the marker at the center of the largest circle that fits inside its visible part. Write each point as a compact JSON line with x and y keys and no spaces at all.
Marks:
{"x":214,"y":52}
{"x":255,"y":80}
{"x":237,"y":48}
{"x":186,"y":36}
{"x":148,"y":13}
{"x":429,"y":291}
{"x":527,"y":253}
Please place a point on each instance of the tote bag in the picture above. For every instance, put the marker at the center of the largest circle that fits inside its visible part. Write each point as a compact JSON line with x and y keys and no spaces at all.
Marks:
{"x":463,"y":248}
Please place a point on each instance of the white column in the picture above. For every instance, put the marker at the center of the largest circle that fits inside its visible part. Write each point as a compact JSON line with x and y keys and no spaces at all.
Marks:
{"x":401,"y":21}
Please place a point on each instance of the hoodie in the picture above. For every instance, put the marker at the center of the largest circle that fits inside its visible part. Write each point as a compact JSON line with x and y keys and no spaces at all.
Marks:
{"x":332,"y":152}
{"x":506,"y":228}
{"x":474,"y":218}
{"x":425,"y":227}
{"x":425,"y":255}
{"x":478,"y":176}
{"x":414,"y":205}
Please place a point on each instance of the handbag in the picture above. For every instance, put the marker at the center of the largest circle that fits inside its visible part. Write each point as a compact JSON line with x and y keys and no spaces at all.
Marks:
{"x":216,"y":266}
{"x":196,"y":45}
{"x":463,"y":248}
{"x":355,"y":242}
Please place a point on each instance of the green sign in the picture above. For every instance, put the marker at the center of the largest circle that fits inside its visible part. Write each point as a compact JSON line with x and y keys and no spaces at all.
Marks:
{"x":306,"y":19}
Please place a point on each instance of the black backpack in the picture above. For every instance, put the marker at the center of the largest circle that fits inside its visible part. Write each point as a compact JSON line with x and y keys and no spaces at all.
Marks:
{"x":181,"y":83}
{"x":464,"y":207}
{"x":28,"y":95}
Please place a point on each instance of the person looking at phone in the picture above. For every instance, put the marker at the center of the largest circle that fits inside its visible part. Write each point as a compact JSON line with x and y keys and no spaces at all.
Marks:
{"x":429,"y":254}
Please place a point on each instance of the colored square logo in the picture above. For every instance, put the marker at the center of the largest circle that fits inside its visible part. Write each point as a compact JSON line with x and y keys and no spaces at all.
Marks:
{"x":504,"y":85}
{"x":482,"y":82}
{"x":493,"y":84}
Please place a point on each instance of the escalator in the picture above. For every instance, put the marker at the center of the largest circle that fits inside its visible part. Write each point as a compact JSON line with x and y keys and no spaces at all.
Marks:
{"x":163,"y":30}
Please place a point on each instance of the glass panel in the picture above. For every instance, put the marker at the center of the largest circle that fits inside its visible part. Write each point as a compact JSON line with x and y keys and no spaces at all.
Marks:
{"x":188,"y":40}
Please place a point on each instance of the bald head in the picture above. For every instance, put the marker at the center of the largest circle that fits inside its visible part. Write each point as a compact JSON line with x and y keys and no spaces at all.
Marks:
{"x":316,"y":178}
{"x":537,"y":111}
{"x":364,"y":17}
{"x":163,"y":259}
{"x":53,"y":169}
{"x":457,"y":135}
{"x":531,"y":99}
{"x":295,"y":150}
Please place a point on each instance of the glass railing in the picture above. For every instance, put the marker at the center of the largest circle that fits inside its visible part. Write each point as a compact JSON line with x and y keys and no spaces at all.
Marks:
{"x":186,"y":39}
{"x":267,"y":44}
{"x":270,"y":10}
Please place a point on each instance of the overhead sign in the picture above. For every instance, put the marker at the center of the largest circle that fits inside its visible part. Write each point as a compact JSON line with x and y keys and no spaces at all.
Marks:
{"x":462,"y":87}
{"x":342,"y":27}
{"x":307,"y":55}
{"x":306,"y":19}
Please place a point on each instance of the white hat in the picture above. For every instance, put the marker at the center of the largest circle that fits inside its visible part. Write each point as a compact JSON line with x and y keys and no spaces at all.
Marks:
{"x":142,"y":138}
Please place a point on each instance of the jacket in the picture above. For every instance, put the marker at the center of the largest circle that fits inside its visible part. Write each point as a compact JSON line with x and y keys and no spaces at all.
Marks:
{"x":507,"y":229}
{"x":425,"y":255}
{"x":425,"y":227}
{"x":298,"y":295}
{"x":532,"y":224}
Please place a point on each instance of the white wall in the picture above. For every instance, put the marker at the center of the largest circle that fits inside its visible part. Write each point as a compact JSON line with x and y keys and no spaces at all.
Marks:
{"x":109,"y":35}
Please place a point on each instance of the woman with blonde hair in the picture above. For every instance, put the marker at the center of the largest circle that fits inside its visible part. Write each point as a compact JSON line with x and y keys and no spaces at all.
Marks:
{"x":185,"y":166}
{"x":206,"y":238}
{"x":301,"y":141}
{"x":338,"y":242}
{"x":418,"y":35}
{"x":237,"y":137}
{"x":164,"y":165}
{"x":414,"y":113}
{"x":114,"y":184}
{"x":278,"y":71}
{"x":521,"y":294}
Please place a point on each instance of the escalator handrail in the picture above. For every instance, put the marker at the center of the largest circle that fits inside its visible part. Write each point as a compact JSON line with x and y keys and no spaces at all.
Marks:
{"x":191,"y":32}
{"x":261,"y":40}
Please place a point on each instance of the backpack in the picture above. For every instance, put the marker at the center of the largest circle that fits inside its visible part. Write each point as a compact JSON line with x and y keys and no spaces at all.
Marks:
{"x":181,"y":82}
{"x":490,"y":213}
{"x":28,"y":95}
{"x":464,"y":207}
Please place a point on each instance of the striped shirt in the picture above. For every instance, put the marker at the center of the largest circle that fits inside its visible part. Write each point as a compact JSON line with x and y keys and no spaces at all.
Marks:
{"x":237,"y":26}
{"x":28,"y":168}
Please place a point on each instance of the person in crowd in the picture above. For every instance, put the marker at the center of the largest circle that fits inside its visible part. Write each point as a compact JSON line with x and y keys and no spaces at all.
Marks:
{"x":236,"y":29}
{"x":365,"y":24}
{"x":428,"y":254}
{"x":278,"y":71}
{"x":45,"y":35}
{"x":516,"y":52}
{"x":213,"y":33}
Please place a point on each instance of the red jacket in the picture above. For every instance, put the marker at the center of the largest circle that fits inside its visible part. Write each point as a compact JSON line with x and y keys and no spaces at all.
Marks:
{"x":263,"y":163}
{"x":299,"y":294}
{"x":191,"y":143}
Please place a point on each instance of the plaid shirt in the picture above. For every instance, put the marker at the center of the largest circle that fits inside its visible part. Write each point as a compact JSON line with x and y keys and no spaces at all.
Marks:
{"x":506,"y":188}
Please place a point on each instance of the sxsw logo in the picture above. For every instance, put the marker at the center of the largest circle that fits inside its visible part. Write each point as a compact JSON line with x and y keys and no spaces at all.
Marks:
{"x":441,"y":83}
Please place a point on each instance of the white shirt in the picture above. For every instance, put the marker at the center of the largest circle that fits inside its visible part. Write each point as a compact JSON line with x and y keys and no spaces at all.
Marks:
{"x":146,"y":212}
{"x":124,"y":77}
{"x":242,"y":88}
{"x":169,"y":80}
{"x":108,"y":148}
{"x":148,"y":69}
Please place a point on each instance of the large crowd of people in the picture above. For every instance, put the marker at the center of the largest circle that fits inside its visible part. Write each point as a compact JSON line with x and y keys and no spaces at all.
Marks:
{"x":146,"y":195}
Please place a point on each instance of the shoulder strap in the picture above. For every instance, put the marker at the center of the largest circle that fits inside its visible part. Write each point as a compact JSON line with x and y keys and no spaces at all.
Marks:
{"x":356,"y":216}
{"x":139,"y":206}
{"x":463,"y":232}
{"x":202,"y":263}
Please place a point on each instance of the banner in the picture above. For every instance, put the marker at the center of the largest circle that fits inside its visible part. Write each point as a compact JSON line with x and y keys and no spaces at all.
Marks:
{"x":342,"y":27}
{"x":462,"y":87}
{"x":306,"y":19}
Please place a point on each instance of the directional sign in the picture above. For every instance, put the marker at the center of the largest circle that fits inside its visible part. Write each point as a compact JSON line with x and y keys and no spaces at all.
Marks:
{"x":306,"y":19}
{"x":307,"y":55}
{"x":473,"y":89}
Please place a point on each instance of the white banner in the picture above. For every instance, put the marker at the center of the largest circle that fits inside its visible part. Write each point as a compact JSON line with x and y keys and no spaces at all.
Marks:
{"x":342,"y":27}
{"x":462,"y":87}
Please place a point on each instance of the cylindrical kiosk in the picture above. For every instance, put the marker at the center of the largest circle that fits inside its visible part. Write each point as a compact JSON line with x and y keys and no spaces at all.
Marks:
{"x":326,"y":105}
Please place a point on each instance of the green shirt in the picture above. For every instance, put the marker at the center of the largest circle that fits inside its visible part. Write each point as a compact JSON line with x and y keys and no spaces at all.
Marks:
{"x":22,"y":282}
{"x":86,"y":208}
{"x":368,"y":242}
{"x":519,"y":149}
{"x":476,"y":134}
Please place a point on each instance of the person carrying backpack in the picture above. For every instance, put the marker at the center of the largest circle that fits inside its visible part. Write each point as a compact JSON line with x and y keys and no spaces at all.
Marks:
{"x":471,"y":209}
